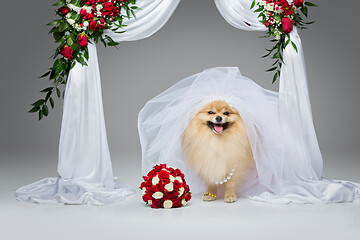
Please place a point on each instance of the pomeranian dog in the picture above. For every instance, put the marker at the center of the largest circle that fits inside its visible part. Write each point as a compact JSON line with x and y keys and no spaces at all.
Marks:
{"x":216,"y":145}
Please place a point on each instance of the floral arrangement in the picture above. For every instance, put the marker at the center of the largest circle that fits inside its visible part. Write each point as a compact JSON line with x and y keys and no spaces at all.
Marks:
{"x":165,"y":187}
{"x":280,"y":16}
{"x":80,"y":22}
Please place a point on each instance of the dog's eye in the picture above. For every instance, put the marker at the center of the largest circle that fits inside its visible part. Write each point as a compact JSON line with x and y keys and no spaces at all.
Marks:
{"x":211,"y":112}
{"x":226,"y":113}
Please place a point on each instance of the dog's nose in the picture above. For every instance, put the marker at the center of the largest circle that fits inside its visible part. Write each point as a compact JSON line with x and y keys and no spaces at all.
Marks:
{"x":218,"y":119}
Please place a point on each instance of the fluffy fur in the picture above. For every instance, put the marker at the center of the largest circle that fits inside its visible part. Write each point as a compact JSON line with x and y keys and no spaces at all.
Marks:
{"x":212,"y":148}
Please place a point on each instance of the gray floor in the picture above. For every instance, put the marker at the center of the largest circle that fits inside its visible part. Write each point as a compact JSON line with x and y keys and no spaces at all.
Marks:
{"x":131,"y":219}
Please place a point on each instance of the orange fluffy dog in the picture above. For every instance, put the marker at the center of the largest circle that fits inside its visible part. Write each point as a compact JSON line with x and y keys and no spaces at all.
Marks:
{"x":216,"y":146}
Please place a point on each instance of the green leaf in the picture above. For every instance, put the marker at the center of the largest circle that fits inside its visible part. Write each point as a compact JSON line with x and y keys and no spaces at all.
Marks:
{"x":56,"y":22}
{"x":277,"y":17}
{"x":63,"y":26}
{"x":304,"y":10}
{"x":252,"y":5}
{"x":52,"y":103}
{"x":73,"y":65}
{"x":113,"y":44}
{"x":310,"y":4}
{"x":34,"y":109}
{"x":58,"y":35}
{"x":266,"y":55}
{"x":47,"y":89}
{"x":48,"y":96}
{"x":275,"y":77}
{"x":294,"y":46}
{"x":271,"y":69}
{"x":44,"y":75}
{"x":86,"y":54}
{"x":40,"y":115}
{"x":70,"y":41}
{"x":258,"y":10}
{"x":287,"y":42}
{"x":58,"y":92}
{"x":60,"y":3}
{"x":45,"y":110}
{"x":38,"y":102}
{"x":133,"y":13}
{"x":275,"y":63}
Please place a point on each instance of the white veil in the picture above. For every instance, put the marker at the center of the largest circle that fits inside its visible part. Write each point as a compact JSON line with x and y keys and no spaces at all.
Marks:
{"x":283,"y":175}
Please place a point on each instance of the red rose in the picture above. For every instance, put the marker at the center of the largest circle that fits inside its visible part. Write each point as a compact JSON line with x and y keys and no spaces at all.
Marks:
{"x":188,"y":197}
{"x":92,"y":25}
{"x":298,"y":3}
{"x":108,"y":6}
{"x":64,"y":10}
{"x":163,"y":174}
{"x":284,"y":3}
{"x":83,"y":12}
{"x":82,"y":40}
{"x":288,"y":12}
{"x":287,"y":25}
{"x":101,"y":24}
{"x":66,"y":52}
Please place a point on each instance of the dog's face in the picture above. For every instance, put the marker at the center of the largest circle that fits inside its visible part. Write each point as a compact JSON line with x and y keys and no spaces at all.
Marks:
{"x":218,"y":116}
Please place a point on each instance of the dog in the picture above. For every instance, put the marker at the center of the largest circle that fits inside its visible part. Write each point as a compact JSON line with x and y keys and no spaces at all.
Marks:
{"x":216,"y":145}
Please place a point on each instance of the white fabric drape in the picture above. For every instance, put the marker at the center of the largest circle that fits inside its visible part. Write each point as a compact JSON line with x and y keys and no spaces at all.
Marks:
{"x":283,"y":174}
{"x":279,"y":125}
{"x":151,"y":18}
{"x":293,"y":82}
{"x":84,"y":166}
{"x":84,"y":161}
{"x":299,"y":181}
{"x":238,"y":14}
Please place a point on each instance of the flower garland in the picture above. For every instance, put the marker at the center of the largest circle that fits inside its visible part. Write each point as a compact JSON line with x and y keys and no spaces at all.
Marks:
{"x":81,"y":22}
{"x":165,"y":187}
{"x":280,"y":16}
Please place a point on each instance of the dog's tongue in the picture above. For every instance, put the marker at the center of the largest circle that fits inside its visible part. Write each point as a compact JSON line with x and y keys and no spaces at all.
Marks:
{"x":218,"y":127}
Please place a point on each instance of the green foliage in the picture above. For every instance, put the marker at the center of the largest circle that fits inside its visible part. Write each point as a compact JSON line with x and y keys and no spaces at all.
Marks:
{"x":66,"y":35}
{"x":281,"y":40}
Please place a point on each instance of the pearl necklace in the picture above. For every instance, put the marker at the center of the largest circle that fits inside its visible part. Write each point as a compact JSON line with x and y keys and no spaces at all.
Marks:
{"x":227,"y":178}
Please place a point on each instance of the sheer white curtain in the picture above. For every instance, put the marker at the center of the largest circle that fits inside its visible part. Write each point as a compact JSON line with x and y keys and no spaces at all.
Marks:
{"x":84,"y":164}
{"x":305,"y":184}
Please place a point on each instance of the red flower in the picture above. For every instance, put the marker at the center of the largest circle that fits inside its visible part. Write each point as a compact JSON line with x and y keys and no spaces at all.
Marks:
{"x":82,"y":40}
{"x":288,"y":12}
{"x":284,"y":3}
{"x":93,"y":25}
{"x":64,"y":10}
{"x":101,"y":25}
{"x":298,"y":3}
{"x":109,"y":6}
{"x":287,"y":25}
{"x":166,"y":175}
{"x":188,"y":197}
{"x":163,"y":174}
{"x":66,"y":52}
{"x":83,"y":12}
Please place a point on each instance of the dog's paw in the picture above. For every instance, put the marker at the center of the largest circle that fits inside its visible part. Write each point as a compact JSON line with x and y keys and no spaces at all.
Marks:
{"x":209,"y":197}
{"x":230,"y":198}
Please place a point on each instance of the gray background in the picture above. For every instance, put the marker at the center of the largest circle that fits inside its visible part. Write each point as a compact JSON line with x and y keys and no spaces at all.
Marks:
{"x":195,"y":38}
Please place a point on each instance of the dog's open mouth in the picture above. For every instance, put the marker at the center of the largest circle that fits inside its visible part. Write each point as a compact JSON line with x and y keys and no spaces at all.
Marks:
{"x":217,"y":127}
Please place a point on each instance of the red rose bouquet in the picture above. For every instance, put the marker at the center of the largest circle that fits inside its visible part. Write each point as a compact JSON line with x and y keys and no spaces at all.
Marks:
{"x":80,"y":22}
{"x":280,"y":16}
{"x":165,"y":187}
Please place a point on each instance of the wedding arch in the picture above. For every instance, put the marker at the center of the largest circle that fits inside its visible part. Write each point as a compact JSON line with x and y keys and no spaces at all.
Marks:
{"x":84,"y":164}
